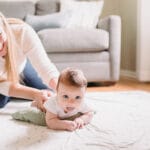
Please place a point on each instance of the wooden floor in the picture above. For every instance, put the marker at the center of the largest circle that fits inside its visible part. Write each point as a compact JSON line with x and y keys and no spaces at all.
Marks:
{"x":123,"y":85}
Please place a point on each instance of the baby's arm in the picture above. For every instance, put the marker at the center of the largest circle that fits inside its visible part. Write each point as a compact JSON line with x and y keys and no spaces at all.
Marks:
{"x":84,"y":119}
{"x":53,"y":122}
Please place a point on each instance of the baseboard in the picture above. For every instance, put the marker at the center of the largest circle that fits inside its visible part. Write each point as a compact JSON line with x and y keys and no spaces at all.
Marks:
{"x":128,"y":74}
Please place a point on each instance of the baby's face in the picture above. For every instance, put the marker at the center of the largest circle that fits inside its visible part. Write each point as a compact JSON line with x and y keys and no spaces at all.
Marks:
{"x":70,"y":97}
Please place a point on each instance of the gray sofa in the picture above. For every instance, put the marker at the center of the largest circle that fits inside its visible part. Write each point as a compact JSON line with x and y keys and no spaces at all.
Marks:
{"x":95,"y":51}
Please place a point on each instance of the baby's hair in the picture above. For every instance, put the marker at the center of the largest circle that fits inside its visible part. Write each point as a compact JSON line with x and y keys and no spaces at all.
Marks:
{"x":72,"y":77}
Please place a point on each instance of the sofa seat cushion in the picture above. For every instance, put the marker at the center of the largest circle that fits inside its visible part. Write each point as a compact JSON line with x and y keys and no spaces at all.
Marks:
{"x":95,"y":65}
{"x":103,"y":56}
{"x":74,"y":40}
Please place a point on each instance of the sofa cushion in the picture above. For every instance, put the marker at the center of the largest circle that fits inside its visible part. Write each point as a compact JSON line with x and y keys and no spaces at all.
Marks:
{"x":54,"y":20}
{"x":84,"y":13}
{"x":17,"y":9}
{"x":74,"y":40}
{"x":47,"y":7}
{"x":82,"y":57}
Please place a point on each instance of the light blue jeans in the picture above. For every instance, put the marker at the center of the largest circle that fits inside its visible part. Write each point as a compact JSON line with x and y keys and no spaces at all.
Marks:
{"x":30,"y":79}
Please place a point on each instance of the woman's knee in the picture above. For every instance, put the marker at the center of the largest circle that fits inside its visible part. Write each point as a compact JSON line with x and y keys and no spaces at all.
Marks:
{"x":3,"y":100}
{"x":31,"y":78}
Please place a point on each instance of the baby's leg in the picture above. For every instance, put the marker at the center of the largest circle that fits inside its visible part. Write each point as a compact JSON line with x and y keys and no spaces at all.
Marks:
{"x":32,"y":115}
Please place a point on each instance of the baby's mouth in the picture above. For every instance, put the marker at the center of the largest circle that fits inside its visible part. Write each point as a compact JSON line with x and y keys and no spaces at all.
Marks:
{"x":67,"y":109}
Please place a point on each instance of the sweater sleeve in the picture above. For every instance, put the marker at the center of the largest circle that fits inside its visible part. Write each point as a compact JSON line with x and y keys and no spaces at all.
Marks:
{"x":4,"y":88}
{"x":35,"y":52}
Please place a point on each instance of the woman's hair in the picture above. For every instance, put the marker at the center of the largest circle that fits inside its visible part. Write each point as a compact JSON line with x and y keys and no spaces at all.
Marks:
{"x":11,"y":67}
{"x":72,"y":77}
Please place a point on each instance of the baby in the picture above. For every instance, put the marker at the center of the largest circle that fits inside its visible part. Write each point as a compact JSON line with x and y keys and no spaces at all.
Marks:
{"x":67,"y":109}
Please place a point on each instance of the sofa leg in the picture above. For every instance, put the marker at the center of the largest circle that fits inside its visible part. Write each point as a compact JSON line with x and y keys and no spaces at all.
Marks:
{"x":107,"y":83}
{"x":103,"y":83}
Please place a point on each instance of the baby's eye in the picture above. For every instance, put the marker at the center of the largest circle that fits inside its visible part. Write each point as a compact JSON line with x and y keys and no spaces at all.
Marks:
{"x":78,"y":97}
{"x":65,"y":96}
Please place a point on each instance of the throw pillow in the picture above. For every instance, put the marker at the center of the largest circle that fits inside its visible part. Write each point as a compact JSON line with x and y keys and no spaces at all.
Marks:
{"x":84,"y":13}
{"x":55,"y":20}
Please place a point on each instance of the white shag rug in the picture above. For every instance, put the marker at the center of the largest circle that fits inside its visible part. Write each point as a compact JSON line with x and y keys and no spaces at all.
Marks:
{"x":121,"y":122}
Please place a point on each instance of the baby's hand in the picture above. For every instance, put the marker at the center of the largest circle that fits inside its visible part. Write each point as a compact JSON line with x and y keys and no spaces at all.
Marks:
{"x":71,"y":126}
{"x":79,"y":123}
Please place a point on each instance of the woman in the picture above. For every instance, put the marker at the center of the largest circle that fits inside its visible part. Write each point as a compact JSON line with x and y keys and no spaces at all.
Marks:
{"x":19,"y":48}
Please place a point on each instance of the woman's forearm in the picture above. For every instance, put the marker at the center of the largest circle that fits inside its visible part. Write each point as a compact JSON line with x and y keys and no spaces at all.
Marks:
{"x":21,"y":91}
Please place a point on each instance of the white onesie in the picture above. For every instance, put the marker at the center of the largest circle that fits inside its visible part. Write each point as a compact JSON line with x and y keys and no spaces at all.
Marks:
{"x":52,"y":106}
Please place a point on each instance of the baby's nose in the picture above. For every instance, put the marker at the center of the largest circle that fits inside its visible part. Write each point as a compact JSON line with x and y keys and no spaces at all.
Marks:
{"x":71,"y":101}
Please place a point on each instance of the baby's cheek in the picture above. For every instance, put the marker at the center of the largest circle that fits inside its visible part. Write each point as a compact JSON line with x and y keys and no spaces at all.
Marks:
{"x":78,"y":103}
{"x":62,"y":103}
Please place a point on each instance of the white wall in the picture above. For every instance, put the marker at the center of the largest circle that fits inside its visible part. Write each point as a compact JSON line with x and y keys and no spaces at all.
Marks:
{"x":143,"y":40}
{"x":110,"y":7}
{"x":127,"y":9}
{"x":128,"y":13}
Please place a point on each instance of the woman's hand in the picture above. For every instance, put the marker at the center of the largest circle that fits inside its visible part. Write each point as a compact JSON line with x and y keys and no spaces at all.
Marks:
{"x":40,"y":97}
{"x":21,"y":91}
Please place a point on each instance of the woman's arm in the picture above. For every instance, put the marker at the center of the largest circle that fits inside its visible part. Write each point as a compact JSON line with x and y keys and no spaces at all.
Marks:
{"x":36,"y":53}
{"x":53,"y":122}
{"x":21,"y":91}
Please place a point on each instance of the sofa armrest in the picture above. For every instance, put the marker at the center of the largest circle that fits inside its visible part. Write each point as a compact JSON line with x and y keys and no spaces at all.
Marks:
{"x":113,"y":25}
